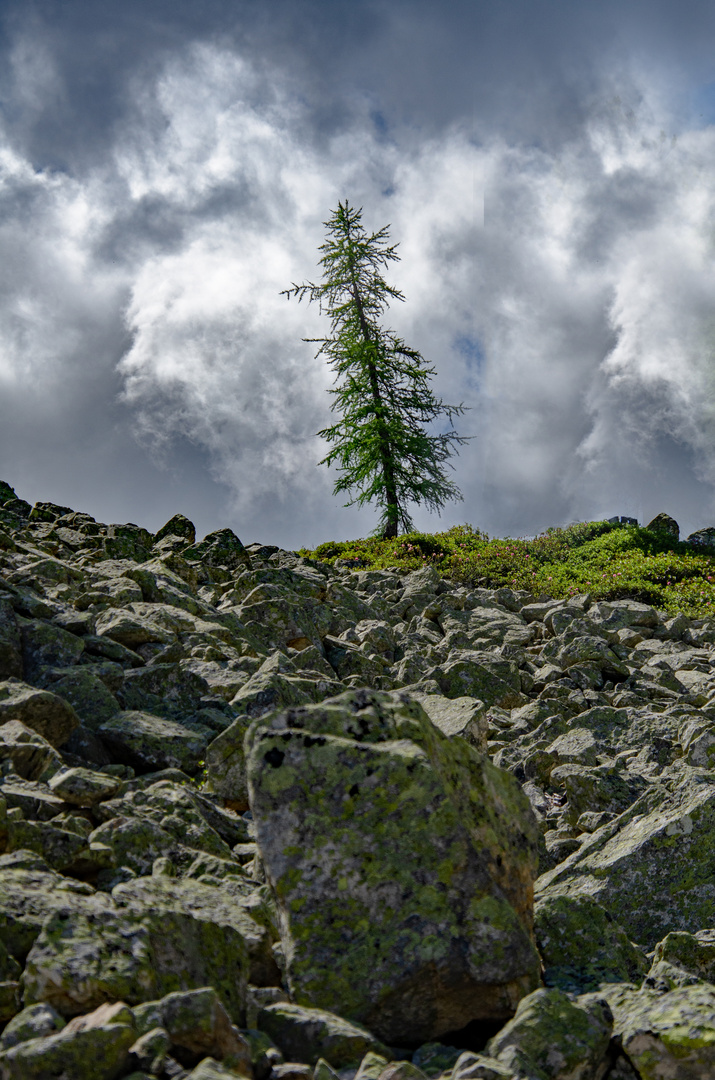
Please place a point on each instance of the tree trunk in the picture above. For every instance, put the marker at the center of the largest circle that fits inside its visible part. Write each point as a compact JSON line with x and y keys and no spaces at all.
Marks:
{"x":388,"y":472}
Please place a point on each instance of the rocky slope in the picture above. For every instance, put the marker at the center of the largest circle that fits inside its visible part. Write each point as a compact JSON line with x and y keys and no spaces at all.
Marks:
{"x":267,"y":818}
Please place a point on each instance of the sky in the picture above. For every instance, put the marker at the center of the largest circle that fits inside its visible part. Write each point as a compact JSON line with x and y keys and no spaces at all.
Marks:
{"x":546,"y":168}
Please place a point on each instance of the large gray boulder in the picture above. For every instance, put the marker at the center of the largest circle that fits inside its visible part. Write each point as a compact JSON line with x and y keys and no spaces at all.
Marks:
{"x":654,"y":864}
{"x":402,"y":865}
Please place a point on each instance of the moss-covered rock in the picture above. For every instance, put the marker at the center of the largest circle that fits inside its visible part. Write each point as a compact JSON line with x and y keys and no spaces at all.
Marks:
{"x":79,"y":961}
{"x":10,"y":642}
{"x":432,"y":850}
{"x":83,"y":787}
{"x":491,"y":680}
{"x":654,"y":865}
{"x":45,"y":645}
{"x":148,"y":742}
{"x":465,"y":717}
{"x":667,"y":1036}
{"x":87,"y":692}
{"x":198,"y":1026}
{"x":31,"y":894}
{"x":551,"y":1038}
{"x":230,"y":906}
{"x":581,"y":945}
{"x":44,"y":712}
{"x":94,"y":1047}
{"x":219,"y":548}
{"x":305,"y":1034}
{"x":31,"y":756}
{"x":681,"y":959}
{"x":32,"y":1022}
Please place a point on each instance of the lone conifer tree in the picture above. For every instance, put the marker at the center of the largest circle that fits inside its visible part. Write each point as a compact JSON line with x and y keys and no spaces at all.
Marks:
{"x":382,"y":387}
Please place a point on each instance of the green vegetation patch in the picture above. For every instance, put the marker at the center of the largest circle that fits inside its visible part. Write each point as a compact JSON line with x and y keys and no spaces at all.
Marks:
{"x":608,"y":561}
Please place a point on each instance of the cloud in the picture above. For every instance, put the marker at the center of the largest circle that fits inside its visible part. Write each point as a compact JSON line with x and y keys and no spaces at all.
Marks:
{"x":562,"y":288}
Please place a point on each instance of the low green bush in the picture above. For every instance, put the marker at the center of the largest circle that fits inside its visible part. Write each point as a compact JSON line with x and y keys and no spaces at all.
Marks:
{"x":597,"y":557}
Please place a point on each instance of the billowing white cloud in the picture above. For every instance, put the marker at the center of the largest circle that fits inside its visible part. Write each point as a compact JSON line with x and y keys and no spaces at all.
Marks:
{"x":566,"y":296}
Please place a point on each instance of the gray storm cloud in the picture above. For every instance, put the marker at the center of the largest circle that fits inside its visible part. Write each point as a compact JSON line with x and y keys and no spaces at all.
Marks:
{"x":564,"y":293}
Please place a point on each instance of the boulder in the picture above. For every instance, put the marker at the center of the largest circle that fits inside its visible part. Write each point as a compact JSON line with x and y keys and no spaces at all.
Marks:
{"x":681,"y":959}
{"x":30,"y":893}
{"x":93,"y":1047}
{"x":219,"y":548}
{"x":463,"y":716}
{"x":32,"y":1022}
{"x":84,"y":688}
{"x":79,"y":961}
{"x":664,"y":523}
{"x":304,"y":1034}
{"x":10,"y":642}
{"x":552,"y":1038}
{"x":668,"y":1035}
{"x":433,"y":852}
{"x":40,"y":710}
{"x":232,"y":907}
{"x":149,"y":742}
{"x":45,"y":645}
{"x":198,"y":1026}
{"x":30,"y":756}
{"x":83,"y":787}
{"x":581,"y":945}
{"x":654,"y":864}
{"x":178,"y":525}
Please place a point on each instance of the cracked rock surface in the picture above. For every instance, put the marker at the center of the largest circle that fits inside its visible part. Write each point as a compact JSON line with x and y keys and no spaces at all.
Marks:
{"x":265,"y":817}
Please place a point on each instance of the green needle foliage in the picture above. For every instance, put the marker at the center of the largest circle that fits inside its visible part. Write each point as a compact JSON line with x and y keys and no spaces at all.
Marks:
{"x":382,"y":392}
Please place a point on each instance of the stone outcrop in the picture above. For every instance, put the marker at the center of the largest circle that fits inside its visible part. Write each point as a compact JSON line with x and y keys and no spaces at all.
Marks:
{"x":268,"y":818}
{"x":402,"y":863}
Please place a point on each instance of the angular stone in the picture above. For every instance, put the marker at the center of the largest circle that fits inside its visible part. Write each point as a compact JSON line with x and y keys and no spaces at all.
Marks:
{"x":463,"y":716}
{"x":682,"y":958}
{"x":32,"y":1023}
{"x":178,"y":525}
{"x":45,"y":646}
{"x":88,"y":694}
{"x":668,"y":1035}
{"x":150,"y":1050}
{"x":581,"y":945}
{"x":219,"y":548}
{"x":665,"y":524}
{"x":62,"y":849}
{"x":10,"y":642}
{"x":654,"y":865}
{"x":480,"y":1067}
{"x":304,"y":1034}
{"x":83,"y":787}
{"x":478,"y":675}
{"x":42,"y":711}
{"x":95,"y":1050}
{"x":149,"y":742}
{"x":199,"y":1026}
{"x":614,"y":615}
{"x":222,"y":907}
{"x":226,"y":765}
{"x":398,"y":858}
{"x":131,"y":629}
{"x":551,"y":1038}
{"x":29,"y":896}
{"x":80,"y":961}
{"x":32,"y":757}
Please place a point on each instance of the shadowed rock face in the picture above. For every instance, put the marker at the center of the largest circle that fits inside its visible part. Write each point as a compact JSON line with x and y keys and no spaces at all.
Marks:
{"x":230,"y":776}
